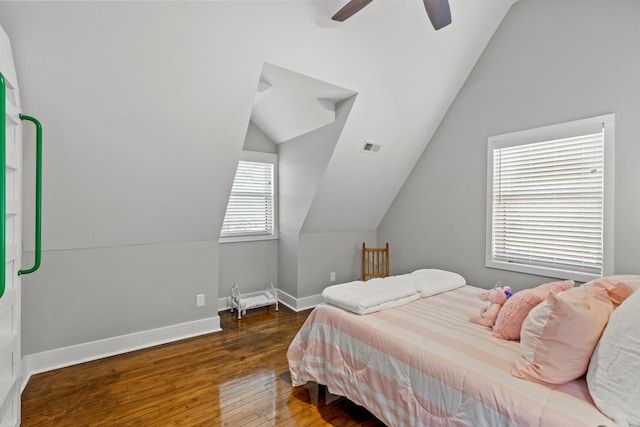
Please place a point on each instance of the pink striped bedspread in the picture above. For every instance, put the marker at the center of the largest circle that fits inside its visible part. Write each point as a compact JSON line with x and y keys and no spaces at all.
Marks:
{"x":425,"y":364}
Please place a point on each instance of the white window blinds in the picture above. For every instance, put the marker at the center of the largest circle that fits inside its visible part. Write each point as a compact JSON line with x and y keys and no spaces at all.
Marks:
{"x":250,"y":210}
{"x":547,"y":204}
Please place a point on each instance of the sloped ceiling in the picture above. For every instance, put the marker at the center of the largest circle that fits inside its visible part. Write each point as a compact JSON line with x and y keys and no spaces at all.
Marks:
{"x":147,"y":104}
{"x":408,"y":77}
{"x":405,"y":90}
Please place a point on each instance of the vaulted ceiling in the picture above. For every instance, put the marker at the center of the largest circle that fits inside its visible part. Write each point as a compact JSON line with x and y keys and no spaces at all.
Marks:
{"x":406,"y":75}
{"x":147,"y":104}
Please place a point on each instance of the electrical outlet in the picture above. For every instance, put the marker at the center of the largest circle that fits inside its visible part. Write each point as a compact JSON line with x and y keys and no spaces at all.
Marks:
{"x":332,"y":276}
{"x":200,"y":300}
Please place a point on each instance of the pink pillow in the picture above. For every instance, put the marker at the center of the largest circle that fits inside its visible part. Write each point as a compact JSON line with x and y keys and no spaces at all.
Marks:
{"x":609,"y":282}
{"x":515,"y":310}
{"x":618,"y":287}
{"x":559,"y":335}
{"x":619,"y":293}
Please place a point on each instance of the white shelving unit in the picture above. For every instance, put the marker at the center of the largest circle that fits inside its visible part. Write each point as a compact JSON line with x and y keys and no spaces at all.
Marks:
{"x":11,"y":300}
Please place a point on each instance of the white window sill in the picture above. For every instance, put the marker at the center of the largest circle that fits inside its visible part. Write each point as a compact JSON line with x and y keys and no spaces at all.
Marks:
{"x":543,"y":271}
{"x":249,"y":238}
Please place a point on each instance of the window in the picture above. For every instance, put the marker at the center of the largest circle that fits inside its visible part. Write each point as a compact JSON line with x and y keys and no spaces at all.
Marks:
{"x":550,"y":200}
{"x":252,"y":207}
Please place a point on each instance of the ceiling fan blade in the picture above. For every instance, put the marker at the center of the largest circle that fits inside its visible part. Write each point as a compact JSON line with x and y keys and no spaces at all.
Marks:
{"x":350,"y":9}
{"x":439,"y":12}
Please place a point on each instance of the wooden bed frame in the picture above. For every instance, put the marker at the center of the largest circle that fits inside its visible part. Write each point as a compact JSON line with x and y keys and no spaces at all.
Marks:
{"x":375,"y":262}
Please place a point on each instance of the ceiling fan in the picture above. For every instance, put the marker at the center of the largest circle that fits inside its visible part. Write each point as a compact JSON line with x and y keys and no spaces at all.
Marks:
{"x":438,"y":11}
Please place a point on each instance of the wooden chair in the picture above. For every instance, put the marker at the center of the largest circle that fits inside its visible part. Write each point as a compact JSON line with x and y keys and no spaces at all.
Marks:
{"x":375,"y":262}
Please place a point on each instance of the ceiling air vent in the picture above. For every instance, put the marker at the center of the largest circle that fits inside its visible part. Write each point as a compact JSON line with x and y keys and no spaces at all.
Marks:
{"x":370,"y":147}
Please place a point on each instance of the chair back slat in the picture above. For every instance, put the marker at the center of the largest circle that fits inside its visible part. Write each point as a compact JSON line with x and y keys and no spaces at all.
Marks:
{"x":375,"y":262}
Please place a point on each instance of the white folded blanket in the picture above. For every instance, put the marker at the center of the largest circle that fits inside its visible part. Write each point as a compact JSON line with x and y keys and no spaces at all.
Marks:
{"x":371,"y":296}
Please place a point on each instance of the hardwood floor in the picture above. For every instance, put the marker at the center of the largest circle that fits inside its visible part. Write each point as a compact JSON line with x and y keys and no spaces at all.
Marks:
{"x":237,"y":377}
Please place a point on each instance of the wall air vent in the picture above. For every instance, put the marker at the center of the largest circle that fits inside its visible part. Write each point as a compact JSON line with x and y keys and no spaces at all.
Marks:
{"x":370,"y":147}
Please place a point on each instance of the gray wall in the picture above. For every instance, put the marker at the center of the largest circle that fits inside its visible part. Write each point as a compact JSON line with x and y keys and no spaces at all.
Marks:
{"x":323,"y":253}
{"x":92,"y":294}
{"x":254,"y":264}
{"x":145,"y":107}
{"x":302,"y":162}
{"x":299,"y":263}
{"x":549,"y":62}
{"x":129,"y":234}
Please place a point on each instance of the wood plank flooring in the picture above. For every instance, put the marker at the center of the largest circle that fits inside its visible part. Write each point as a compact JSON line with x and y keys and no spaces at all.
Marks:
{"x":237,"y":377}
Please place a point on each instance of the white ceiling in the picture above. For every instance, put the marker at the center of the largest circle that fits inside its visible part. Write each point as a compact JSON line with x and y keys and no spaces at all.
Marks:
{"x":178,"y":88}
{"x":407,"y":76}
{"x":290,"y":104}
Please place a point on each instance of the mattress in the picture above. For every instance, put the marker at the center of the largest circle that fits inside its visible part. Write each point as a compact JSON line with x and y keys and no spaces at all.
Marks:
{"x":425,"y":364}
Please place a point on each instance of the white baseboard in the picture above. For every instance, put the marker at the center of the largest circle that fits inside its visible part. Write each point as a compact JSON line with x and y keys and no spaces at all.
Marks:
{"x":299,"y":304}
{"x":295,"y":304}
{"x":62,"y":357}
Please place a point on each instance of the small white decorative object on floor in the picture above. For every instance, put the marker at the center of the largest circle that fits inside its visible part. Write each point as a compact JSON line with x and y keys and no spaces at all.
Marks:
{"x":242,"y":303}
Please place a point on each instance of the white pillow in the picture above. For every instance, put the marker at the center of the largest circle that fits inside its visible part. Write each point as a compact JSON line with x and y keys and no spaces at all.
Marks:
{"x":431,"y":281}
{"x":614,"y":369}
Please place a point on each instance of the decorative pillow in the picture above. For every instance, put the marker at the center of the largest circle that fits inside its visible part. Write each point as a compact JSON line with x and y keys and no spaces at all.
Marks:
{"x":618,"y":287}
{"x":515,"y":310}
{"x":614,"y":369}
{"x":619,"y":293}
{"x":559,"y":335}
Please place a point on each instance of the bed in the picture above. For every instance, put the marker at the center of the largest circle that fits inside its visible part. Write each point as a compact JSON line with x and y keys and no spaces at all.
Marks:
{"x":424,"y":364}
